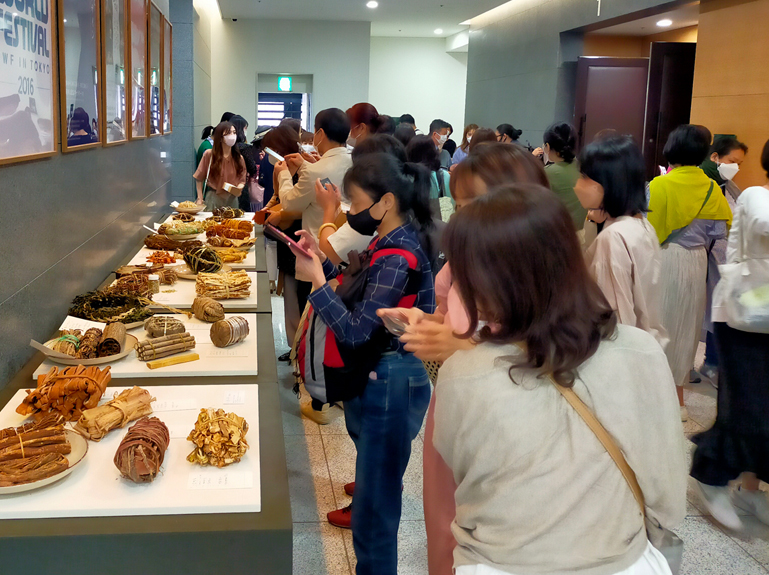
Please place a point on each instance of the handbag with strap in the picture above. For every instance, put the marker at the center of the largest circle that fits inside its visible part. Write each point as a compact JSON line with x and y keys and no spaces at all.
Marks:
{"x":666,"y":542}
{"x":677,"y":233}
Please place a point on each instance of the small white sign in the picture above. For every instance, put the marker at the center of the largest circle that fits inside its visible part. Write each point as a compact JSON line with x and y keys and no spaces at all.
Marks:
{"x":235,"y":397}
{"x":236,"y":351}
{"x":71,"y":322}
{"x":173,"y":404}
{"x":220,"y":479}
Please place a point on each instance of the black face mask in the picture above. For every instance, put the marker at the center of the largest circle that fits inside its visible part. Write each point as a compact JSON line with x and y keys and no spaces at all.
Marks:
{"x":363,"y":222}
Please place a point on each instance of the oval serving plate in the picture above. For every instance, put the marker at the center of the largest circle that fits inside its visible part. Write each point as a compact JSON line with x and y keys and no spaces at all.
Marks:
{"x":195,"y":210}
{"x":181,"y":237}
{"x":184,"y":272}
{"x":130,"y":343}
{"x":79,"y":449}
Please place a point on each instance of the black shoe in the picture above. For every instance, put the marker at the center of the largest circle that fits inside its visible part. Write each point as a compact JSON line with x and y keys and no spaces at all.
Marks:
{"x":285,"y":357}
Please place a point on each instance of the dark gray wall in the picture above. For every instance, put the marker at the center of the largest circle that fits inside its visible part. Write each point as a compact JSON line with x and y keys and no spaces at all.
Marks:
{"x":521,"y":69}
{"x":183,"y":163}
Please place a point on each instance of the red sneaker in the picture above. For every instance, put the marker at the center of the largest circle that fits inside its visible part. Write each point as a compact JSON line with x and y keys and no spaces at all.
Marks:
{"x":341,"y":517}
{"x":349,"y":489}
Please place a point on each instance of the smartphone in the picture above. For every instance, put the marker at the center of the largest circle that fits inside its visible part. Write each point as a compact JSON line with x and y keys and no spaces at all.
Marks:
{"x":275,"y":154}
{"x":326,"y":182}
{"x":396,"y":324}
{"x":279,"y":235}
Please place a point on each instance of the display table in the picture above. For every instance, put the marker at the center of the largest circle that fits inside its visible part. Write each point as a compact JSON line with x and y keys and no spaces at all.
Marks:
{"x":96,"y":489}
{"x":238,"y":359}
{"x":248,"y":264}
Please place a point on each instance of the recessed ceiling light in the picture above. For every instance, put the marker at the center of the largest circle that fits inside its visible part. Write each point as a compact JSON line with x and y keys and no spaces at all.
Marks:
{"x":664,"y":23}
{"x":372,"y":4}
{"x":65,"y":20}
{"x":438,"y":30}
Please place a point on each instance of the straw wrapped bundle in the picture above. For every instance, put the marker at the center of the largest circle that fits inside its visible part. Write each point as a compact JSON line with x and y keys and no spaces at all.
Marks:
{"x":68,"y":342}
{"x":164,"y":346}
{"x":222,"y":230}
{"x":140,"y":454}
{"x":131,"y":404}
{"x":232,"y":255}
{"x":33,"y":451}
{"x":207,"y":309}
{"x":161,"y":325}
{"x":161,"y":242}
{"x":67,"y":391}
{"x":203,"y":259}
{"x":222,"y":242}
{"x":177,"y":228}
{"x":241,"y":225}
{"x":89,"y":344}
{"x":232,"y":285}
{"x":229,"y":331}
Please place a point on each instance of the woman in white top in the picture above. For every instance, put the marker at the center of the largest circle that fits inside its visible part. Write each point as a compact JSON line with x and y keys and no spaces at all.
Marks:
{"x":738,"y":442}
{"x":536,"y":490}
{"x":624,"y":259}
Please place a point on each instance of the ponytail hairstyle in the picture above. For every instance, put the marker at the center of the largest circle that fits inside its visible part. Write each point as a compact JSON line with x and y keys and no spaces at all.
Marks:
{"x":562,"y":139}
{"x":367,"y":114}
{"x":509,"y":131}
{"x":378,"y":174}
{"x":217,"y":153}
{"x":422,"y":150}
{"x":207,"y":131}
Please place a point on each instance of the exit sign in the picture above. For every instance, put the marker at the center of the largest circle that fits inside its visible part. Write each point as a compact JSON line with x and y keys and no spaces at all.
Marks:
{"x":284,"y":83}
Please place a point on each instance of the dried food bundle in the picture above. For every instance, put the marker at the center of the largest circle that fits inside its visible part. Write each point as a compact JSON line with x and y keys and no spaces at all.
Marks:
{"x":232,"y":285}
{"x":89,"y":344}
{"x":67,"y":391}
{"x":222,"y":242}
{"x":232,"y":255}
{"x":228,"y":213}
{"x":164,"y":346}
{"x":161,"y":257}
{"x":176,"y":228}
{"x":112,"y":340}
{"x":241,"y":225}
{"x":131,"y":404}
{"x":221,"y":230}
{"x":183,"y":217}
{"x":160,"y":242}
{"x":219,"y":438}
{"x":33,"y":451}
{"x":106,"y":308}
{"x":161,"y":325}
{"x":229,"y":331}
{"x":203,"y":259}
{"x":207,"y":309}
{"x":140,"y":454}
{"x":68,"y":342}
{"x":188,"y":205}
{"x":134,"y":284}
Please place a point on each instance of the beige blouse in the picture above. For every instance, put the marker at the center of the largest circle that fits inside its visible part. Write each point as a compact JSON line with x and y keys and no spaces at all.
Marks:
{"x":228,"y":175}
{"x":624,"y":259}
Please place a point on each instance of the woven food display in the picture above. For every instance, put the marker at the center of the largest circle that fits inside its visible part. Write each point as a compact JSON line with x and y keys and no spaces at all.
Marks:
{"x":203,"y":259}
{"x":140,"y":454}
{"x":232,"y":285}
{"x":176,"y":228}
{"x":161,"y":325}
{"x":222,"y":242}
{"x":89,"y":344}
{"x":131,"y":404}
{"x":184,"y":217}
{"x":112,"y":340}
{"x":67,"y":391}
{"x":106,"y":308}
{"x":219,"y":438}
{"x":227,"y":213}
{"x":229,"y":331}
{"x":68,"y":342}
{"x":241,"y":225}
{"x":207,"y":309}
{"x":33,"y":451}
{"x":222,"y":230}
{"x":232,"y":255}
{"x":164,"y":346}
{"x":160,"y":242}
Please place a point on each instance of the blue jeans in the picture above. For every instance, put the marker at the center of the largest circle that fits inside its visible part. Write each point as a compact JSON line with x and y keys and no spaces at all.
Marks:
{"x":382,"y":423}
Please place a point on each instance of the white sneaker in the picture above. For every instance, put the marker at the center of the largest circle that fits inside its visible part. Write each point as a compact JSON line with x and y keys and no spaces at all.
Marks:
{"x":684,"y":414}
{"x":717,"y":503}
{"x":754,"y":502}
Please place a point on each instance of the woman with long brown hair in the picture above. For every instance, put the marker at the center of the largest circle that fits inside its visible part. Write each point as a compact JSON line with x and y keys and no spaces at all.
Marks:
{"x":464,"y":148}
{"x":221,"y":174}
{"x":537,"y":492}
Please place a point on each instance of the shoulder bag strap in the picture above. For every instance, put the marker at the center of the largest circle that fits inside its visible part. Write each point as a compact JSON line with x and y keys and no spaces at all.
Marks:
{"x":606,"y":440}
{"x":678,"y":232}
{"x":205,"y":183}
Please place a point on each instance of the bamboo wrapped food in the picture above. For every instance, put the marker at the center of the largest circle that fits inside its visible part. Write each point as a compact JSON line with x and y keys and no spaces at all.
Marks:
{"x":222,"y":230}
{"x":68,"y":342}
{"x":164,"y":346}
{"x":161,"y":325}
{"x":131,"y":404}
{"x":177,"y":228}
{"x":222,"y":242}
{"x":89,"y":344}
{"x":141,"y":453}
{"x":184,"y":217}
{"x":241,"y":225}
{"x":207,"y":309}
{"x":67,"y":391}
{"x":33,"y":451}
{"x":161,"y":242}
{"x":112,"y":340}
{"x":229,"y":331}
{"x":203,"y":259}
{"x":219,"y":438}
{"x":232,"y":255}
{"x":232,"y":285}
{"x":228,"y":213}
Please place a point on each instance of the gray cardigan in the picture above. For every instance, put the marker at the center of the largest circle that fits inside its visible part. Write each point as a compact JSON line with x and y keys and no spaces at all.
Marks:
{"x":537,"y":492}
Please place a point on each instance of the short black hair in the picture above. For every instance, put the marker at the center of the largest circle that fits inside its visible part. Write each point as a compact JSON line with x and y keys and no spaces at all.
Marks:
{"x":438,"y":125}
{"x":404,"y":133}
{"x":687,"y":145}
{"x":380,"y":143}
{"x":618,"y":165}
{"x":335,"y":123}
{"x":765,"y":158}
{"x":422,"y":150}
{"x":724,"y":145}
{"x":407,"y":119}
{"x":207,"y":131}
{"x":562,"y":139}
{"x":386,"y":125}
{"x":226,"y":117}
{"x":510,"y":131}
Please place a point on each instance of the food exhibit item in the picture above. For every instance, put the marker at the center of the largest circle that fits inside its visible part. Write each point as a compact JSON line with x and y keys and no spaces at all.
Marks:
{"x":165,"y":345}
{"x":183,"y":217}
{"x":89,"y":344}
{"x":229,"y":331}
{"x":33,"y":451}
{"x":68,"y":342}
{"x":161,"y":257}
{"x":232,"y":255}
{"x":140,"y":454}
{"x":112,"y":340}
{"x":188,"y":205}
{"x":67,"y":391}
{"x":177,"y":228}
{"x":161,"y":242}
{"x":227,"y":213}
{"x":222,"y":242}
{"x":173,"y":360}
{"x":241,"y":225}
{"x":219,"y":438}
{"x":222,"y":230}
{"x":203,"y":259}
{"x":131,"y":404}
{"x":207,"y":309}
{"x":106,"y":308}
{"x":161,"y":325}
{"x":231,"y":285}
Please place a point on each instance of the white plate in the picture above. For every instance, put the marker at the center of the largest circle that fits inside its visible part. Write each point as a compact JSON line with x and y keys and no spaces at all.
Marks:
{"x":182,"y":236}
{"x":130,"y":343}
{"x":184,"y":272}
{"x":79,"y":449}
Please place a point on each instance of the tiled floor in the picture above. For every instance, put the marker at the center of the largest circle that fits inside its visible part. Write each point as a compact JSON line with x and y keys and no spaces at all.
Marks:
{"x":321,"y":460}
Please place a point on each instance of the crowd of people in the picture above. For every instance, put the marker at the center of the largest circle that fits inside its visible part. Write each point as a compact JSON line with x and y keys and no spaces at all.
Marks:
{"x":541,"y":308}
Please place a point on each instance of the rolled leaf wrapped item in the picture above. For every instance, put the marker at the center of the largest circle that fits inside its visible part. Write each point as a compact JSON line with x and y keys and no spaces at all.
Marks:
{"x":207,"y":309}
{"x":229,"y":331}
{"x":89,"y":344}
{"x":68,"y":391}
{"x":131,"y":404}
{"x":164,"y":346}
{"x":161,"y":325}
{"x":140,"y":454}
{"x":112,"y":339}
{"x":203,"y":259}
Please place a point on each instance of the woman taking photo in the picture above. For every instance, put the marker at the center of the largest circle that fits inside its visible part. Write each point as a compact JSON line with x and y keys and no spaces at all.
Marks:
{"x":536,"y":490}
{"x":464,"y":148}
{"x":562,"y":169}
{"x":250,"y":157}
{"x":624,"y":259}
{"x":687,"y":216}
{"x":221,"y":174}
{"x":385,"y":418}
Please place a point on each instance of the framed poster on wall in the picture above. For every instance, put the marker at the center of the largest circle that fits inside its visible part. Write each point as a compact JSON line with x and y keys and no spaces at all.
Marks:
{"x":155,"y":42}
{"x":80,"y":65}
{"x":167,"y":77}
{"x":114,"y":32}
{"x":137,"y":64}
{"x":28,"y":81}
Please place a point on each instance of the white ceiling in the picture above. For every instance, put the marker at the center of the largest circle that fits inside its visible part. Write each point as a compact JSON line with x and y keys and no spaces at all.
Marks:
{"x":407,"y":18}
{"x":681,"y":17}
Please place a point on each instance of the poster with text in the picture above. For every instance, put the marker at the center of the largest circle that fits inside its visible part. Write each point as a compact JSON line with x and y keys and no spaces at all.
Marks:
{"x":27,"y":56}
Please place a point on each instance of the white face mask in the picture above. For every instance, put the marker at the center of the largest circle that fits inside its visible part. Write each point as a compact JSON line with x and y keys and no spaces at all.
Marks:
{"x":309,"y":148}
{"x":442,"y":139}
{"x":728,"y":171}
{"x":545,"y":155}
{"x":469,"y":139}
{"x":230,"y":139}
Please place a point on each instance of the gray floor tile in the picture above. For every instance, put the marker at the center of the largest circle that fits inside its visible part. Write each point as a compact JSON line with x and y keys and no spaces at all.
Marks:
{"x":308,"y":480}
{"x":319,"y":549}
{"x":691,"y":427}
{"x":412,"y":548}
{"x":755,"y":540}
{"x":701,"y":403}
{"x":293,"y":422}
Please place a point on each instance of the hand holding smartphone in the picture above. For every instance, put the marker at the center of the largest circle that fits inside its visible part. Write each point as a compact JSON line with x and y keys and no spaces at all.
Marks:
{"x":275,"y":154}
{"x":279,"y":235}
